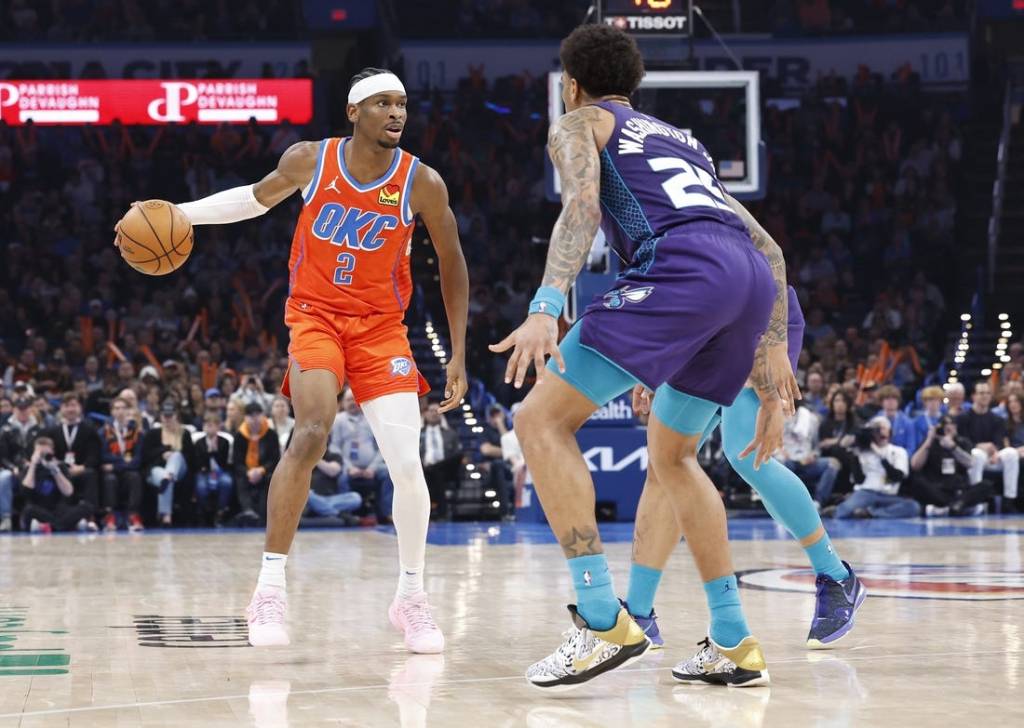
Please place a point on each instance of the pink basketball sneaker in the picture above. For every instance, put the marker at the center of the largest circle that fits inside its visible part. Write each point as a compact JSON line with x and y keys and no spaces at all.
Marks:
{"x":266,"y":613}
{"x":412,"y":618}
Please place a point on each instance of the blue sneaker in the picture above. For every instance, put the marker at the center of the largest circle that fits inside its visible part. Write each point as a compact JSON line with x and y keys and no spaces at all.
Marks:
{"x":836,"y":604}
{"x":649,"y":625}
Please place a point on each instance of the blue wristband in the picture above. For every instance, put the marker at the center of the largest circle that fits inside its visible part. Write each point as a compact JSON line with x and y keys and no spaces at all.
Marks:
{"x":548,"y":300}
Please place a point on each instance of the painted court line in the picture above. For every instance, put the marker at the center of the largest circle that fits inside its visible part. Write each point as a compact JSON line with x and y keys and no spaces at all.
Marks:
{"x":468,"y":681}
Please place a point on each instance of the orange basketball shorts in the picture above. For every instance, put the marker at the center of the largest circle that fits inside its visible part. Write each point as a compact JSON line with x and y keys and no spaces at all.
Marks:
{"x":369,"y":353}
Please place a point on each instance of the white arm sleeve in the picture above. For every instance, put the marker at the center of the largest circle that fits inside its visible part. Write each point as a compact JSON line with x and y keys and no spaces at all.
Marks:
{"x":234,"y":205}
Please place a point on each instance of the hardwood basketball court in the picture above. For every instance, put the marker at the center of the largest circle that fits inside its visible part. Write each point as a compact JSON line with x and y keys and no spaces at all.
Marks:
{"x":149,"y":630}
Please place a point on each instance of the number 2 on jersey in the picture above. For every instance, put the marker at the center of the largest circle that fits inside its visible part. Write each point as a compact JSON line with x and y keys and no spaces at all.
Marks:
{"x":343,"y":273}
{"x":680,"y":187}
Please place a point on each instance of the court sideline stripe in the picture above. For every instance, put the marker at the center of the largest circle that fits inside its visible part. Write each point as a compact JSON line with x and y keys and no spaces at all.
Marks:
{"x":461,"y":681}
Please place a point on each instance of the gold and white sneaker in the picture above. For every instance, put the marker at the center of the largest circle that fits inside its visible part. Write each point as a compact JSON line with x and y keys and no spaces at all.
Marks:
{"x":739,"y":666}
{"x":587,"y":653}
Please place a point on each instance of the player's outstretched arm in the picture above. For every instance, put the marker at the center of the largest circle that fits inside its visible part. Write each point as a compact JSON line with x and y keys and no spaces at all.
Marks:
{"x":573,"y":147}
{"x":294,"y":171}
{"x":430,"y":202}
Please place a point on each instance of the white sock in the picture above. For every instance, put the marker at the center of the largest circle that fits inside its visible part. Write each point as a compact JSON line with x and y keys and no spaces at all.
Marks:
{"x":395,"y":421}
{"x":410,"y":582}
{"x":272,"y":570}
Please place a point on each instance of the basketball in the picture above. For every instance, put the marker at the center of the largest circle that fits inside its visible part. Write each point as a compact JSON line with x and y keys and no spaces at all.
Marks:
{"x":155,"y":237}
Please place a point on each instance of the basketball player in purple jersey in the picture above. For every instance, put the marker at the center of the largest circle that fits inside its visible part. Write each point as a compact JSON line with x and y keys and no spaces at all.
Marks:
{"x":697,"y":309}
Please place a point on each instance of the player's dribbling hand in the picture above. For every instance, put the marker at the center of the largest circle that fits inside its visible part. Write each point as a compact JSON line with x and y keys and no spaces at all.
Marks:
{"x":536,"y":338}
{"x":767,"y":433}
{"x":455,"y":385}
{"x":642,"y":397}
{"x":118,"y":223}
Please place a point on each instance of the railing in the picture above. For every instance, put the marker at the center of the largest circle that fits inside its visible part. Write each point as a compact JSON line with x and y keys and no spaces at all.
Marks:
{"x":999,"y":185}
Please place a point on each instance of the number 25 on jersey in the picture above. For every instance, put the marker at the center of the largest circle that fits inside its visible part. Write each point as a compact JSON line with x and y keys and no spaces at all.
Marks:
{"x":692,"y":187}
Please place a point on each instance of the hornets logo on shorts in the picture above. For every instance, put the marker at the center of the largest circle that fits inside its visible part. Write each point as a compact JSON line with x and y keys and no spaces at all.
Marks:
{"x":621,"y":296}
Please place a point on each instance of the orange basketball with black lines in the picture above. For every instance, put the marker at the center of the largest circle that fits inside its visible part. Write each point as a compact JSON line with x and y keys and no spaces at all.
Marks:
{"x":155,"y":237}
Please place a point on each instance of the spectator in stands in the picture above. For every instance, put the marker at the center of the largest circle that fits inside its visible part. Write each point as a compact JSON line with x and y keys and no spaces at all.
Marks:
{"x":213,"y":401}
{"x":16,"y":438}
{"x":986,"y":431}
{"x":50,"y":499}
{"x":134,"y":413}
{"x":814,"y":392}
{"x":837,"y":430}
{"x":941,"y":479}
{"x":931,"y":398}
{"x":800,"y":454}
{"x":256,"y":453}
{"x":1015,"y":420}
{"x":441,"y":452}
{"x":234,"y":415}
{"x":955,"y":395}
{"x":902,"y":426}
{"x":168,"y":457}
{"x":281,"y":420}
{"x":493,"y":465}
{"x":870,"y":405}
{"x":214,"y":472}
{"x":121,"y":463}
{"x":363,"y":465}
{"x":6,"y":409}
{"x":250,"y":390}
{"x":879,"y":469}
{"x":77,"y":444}
{"x":329,"y":493}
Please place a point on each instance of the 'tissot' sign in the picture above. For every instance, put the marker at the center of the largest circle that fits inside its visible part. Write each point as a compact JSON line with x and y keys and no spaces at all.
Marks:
{"x":206,"y":101}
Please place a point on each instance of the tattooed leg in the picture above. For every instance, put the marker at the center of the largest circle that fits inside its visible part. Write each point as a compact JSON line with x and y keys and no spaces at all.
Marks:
{"x":656,"y":532}
{"x":546,"y":427}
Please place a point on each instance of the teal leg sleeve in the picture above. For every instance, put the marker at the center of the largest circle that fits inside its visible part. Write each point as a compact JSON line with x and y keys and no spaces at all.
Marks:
{"x":785,"y":496}
{"x":683,"y":413}
{"x":593,"y":375}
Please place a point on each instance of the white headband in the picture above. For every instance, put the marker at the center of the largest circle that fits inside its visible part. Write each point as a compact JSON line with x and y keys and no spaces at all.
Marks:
{"x":376,"y":84}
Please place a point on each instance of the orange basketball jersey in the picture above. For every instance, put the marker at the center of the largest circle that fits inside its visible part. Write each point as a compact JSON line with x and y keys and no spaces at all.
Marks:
{"x":350,"y":251}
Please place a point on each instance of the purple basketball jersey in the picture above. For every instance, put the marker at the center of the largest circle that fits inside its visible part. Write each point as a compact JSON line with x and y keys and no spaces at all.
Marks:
{"x":655,"y":178}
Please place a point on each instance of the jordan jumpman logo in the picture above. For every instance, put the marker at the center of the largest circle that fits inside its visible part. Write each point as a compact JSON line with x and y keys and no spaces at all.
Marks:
{"x":333,"y":185}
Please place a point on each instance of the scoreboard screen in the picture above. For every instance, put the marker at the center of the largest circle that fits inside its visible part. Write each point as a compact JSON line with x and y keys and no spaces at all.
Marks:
{"x":648,"y":17}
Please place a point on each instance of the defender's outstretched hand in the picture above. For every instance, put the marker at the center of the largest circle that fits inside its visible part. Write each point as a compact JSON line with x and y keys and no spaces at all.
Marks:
{"x":536,"y":338}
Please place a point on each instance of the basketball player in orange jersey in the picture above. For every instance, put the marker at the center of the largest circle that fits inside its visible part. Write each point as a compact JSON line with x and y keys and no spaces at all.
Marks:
{"x":349,"y":287}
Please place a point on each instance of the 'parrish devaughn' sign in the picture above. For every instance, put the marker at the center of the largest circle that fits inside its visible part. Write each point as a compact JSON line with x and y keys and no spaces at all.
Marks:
{"x":206,"y":101}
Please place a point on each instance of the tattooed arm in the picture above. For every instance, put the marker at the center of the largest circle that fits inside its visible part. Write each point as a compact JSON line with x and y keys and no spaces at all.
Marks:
{"x":574,"y":153}
{"x":573,"y":148}
{"x":771,"y":375}
{"x":776,"y":333}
